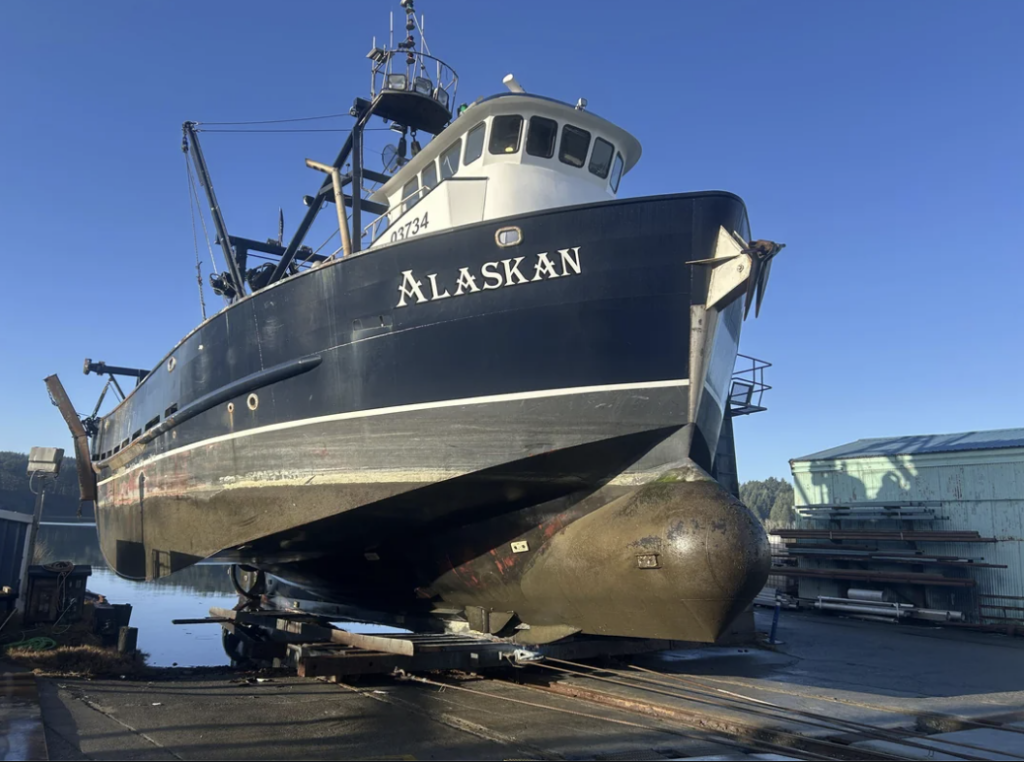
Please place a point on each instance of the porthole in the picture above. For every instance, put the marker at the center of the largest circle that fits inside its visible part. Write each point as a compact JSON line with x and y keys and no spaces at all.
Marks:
{"x":253,"y":402}
{"x":509,"y":236}
{"x":171,"y":363}
{"x":231,"y":407}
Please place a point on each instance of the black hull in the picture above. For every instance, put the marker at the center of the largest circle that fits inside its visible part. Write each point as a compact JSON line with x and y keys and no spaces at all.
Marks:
{"x":365,"y":406}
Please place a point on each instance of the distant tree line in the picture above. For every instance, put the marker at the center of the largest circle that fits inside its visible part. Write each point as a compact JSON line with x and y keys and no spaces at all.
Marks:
{"x":770,"y":499}
{"x":61,"y":497}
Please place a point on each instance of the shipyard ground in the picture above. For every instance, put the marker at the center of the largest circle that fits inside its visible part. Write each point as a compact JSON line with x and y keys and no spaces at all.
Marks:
{"x":883,"y":675}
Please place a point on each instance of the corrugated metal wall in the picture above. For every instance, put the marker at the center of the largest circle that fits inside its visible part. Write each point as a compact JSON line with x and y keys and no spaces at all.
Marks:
{"x":12,"y":547}
{"x":980,"y":490}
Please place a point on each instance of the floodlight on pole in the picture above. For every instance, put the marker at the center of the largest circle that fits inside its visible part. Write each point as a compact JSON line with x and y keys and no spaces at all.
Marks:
{"x":43,"y":467}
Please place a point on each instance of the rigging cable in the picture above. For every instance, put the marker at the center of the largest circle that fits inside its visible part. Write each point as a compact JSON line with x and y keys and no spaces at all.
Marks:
{"x":325,"y":129}
{"x":195,"y":238}
{"x":317,"y":251}
{"x":420,"y":23}
{"x":293,"y":130}
{"x":195,"y":191}
{"x":282,"y":121}
{"x":202,"y":220}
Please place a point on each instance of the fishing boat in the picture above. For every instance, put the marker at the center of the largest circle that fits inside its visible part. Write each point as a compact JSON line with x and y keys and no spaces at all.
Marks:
{"x":505,"y":401}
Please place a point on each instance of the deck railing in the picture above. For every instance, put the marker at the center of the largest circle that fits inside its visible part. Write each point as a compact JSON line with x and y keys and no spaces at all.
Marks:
{"x":748,"y":387}
{"x":413,"y":71}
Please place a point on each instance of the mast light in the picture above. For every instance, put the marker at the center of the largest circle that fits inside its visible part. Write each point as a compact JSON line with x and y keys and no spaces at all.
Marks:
{"x":397,"y":82}
{"x":422,"y":85}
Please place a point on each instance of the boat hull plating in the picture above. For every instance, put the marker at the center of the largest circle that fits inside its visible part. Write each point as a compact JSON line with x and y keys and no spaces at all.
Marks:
{"x":382,"y":429}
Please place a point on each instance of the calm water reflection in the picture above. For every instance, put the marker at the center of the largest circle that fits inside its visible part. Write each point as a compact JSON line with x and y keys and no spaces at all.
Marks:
{"x":186,"y":594}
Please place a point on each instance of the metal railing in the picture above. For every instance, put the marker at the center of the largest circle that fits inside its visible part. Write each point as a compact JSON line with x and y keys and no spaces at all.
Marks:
{"x":378,"y":225}
{"x":410,"y":71}
{"x":748,"y":387}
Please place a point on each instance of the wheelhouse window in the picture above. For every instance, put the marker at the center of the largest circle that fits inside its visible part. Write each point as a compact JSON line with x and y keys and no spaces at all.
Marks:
{"x":616,"y":173}
{"x":450,"y":160}
{"x":540,"y":139}
{"x":601,"y":158}
{"x":505,"y":134}
{"x":474,"y":144}
{"x":409,"y":193}
{"x":429,"y":176}
{"x":575,"y":143}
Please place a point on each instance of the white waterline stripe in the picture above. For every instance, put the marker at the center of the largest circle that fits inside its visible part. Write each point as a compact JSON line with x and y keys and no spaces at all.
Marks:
{"x":511,"y":397}
{"x":67,"y":523}
{"x":21,"y":518}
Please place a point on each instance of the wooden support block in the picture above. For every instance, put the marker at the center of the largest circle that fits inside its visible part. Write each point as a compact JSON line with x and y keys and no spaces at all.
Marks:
{"x":127,"y":640}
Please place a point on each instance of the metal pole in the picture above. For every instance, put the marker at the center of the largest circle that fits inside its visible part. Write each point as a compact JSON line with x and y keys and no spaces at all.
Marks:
{"x":189,"y":128}
{"x":357,"y":182}
{"x":353,"y":145}
{"x":339,"y":201}
{"x":30,"y":545}
{"x":307,"y":220}
{"x":775,"y":623}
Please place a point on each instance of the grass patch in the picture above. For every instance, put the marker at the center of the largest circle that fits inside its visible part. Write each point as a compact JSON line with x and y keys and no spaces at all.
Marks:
{"x":80,"y":661}
{"x":68,"y":650}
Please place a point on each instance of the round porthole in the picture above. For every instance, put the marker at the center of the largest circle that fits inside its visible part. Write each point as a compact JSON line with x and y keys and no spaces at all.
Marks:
{"x":171,"y":363}
{"x":231,"y":407}
{"x":253,"y":402}
{"x":508,"y":236}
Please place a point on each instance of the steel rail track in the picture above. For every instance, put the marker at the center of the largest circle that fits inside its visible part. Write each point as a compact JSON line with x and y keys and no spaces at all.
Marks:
{"x":752,"y":734}
{"x":962,"y":723}
{"x":897,"y":735}
{"x":717,"y":736}
{"x":746,"y":704}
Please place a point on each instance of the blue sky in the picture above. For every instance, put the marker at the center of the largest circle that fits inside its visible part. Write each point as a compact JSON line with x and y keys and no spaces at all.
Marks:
{"x":880,"y":141}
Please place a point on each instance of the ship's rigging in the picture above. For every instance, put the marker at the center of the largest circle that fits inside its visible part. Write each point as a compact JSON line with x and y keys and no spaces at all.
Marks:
{"x":404,"y":94}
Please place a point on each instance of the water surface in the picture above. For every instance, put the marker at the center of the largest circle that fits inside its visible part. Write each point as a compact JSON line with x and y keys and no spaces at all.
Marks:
{"x":187,"y":594}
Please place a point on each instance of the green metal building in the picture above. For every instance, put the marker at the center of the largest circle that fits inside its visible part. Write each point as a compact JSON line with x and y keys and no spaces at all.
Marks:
{"x":933,"y":522}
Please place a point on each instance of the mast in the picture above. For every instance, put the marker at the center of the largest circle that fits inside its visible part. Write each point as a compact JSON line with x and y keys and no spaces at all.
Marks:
{"x":234,"y":275}
{"x":401,"y":95}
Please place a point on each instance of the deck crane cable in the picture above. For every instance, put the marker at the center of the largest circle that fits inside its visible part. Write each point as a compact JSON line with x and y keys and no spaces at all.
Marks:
{"x":195,"y":238}
{"x":202,"y":219}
